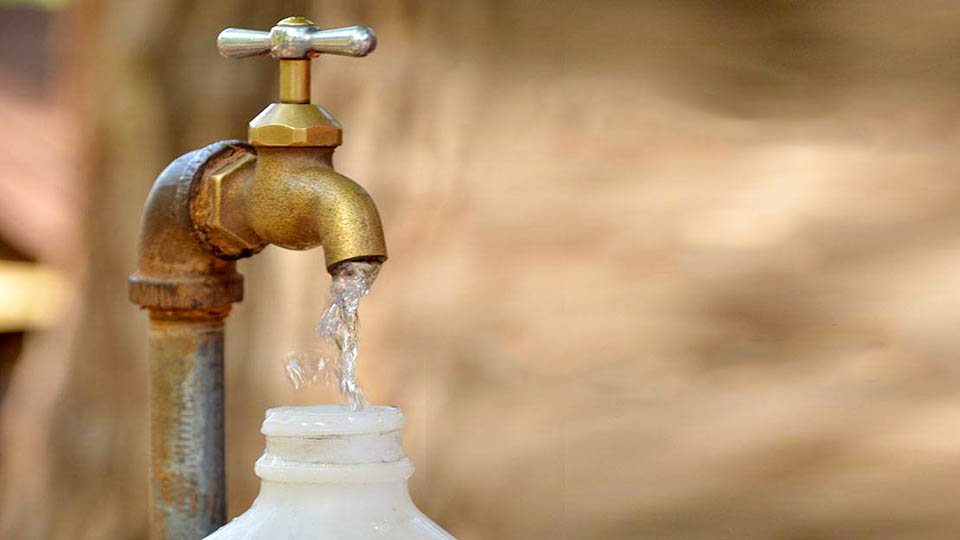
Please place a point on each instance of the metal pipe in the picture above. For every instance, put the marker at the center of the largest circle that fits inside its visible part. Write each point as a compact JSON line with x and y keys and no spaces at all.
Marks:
{"x":188,"y":492}
{"x":188,"y":291}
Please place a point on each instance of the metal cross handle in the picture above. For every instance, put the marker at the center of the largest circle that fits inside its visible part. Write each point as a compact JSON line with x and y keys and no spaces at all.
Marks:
{"x":297,"y":37}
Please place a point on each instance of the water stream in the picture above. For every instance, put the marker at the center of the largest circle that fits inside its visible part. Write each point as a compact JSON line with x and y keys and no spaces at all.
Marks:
{"x":334,"y":354}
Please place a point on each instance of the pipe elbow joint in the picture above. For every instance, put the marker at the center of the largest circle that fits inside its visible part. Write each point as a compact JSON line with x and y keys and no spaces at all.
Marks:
{"x":176,"y":269}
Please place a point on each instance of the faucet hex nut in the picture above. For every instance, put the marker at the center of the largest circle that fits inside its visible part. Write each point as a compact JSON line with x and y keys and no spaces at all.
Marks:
{"x":216,"y":208}
{"x":295,"y":124}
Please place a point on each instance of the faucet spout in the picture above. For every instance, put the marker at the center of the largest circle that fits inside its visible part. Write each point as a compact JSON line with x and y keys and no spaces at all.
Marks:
{"x":296,"y":200}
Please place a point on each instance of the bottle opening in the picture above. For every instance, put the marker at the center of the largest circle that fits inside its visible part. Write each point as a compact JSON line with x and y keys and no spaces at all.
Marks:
{"x":326,"y":420}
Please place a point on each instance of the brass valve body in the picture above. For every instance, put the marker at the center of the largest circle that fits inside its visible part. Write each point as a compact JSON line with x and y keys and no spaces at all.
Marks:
{"x":290,"y":197}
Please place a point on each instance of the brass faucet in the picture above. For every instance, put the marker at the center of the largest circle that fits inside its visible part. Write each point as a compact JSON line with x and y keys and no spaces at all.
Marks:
{"x":211,"y":207}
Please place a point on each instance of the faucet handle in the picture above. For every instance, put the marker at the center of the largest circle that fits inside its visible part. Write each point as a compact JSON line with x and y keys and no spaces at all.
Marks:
{"x":294,"y":121}
{"x":297,"y":38}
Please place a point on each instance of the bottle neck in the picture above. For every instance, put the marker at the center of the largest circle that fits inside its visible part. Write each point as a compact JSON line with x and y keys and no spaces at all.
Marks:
{"x":333,"y":445}
{"x":376,"y":494}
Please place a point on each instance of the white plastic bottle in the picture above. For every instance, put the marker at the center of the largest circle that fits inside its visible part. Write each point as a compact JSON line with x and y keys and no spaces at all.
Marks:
{"x":331,"y":473}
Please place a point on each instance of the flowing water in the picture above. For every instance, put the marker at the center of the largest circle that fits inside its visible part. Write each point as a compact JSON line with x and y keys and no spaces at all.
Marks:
{"x":334,"y":355}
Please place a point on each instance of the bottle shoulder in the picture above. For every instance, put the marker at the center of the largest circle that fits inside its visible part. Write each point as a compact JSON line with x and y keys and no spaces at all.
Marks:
{"x":268,"y":522}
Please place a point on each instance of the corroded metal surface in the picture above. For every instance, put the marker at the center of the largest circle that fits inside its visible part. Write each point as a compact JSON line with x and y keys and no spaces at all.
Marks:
{"x":188,"y":290}
{"x":217,"y":219}
{"x":186,"y":423}
{"x":175,"y":267}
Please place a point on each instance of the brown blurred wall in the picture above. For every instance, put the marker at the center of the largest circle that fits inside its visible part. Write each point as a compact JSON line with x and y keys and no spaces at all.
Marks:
{"x":672,"y":270}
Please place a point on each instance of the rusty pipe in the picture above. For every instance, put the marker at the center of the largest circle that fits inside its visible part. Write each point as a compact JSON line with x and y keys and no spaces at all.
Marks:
{"x":188,"y":494}
{"x":176,"y":269}
{"x":188,"y":291}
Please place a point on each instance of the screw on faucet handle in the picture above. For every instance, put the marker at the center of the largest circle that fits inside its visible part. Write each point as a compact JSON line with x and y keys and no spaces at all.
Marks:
{"x":297,"y":37}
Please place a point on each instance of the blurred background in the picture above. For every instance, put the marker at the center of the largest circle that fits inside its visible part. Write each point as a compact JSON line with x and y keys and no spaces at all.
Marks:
{"x":673,"y":270}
